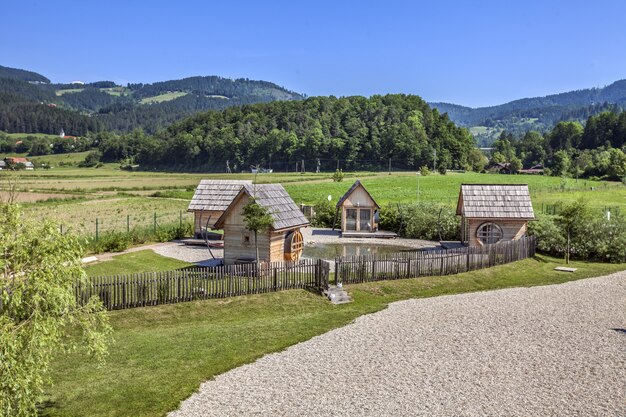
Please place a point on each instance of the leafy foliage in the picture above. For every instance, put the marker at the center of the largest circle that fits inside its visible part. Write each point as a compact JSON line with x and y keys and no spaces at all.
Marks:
{"x":360,"y":132}
{"x":424,"y":220}
{"x":38,"y":308}
{"x":324,"y":214}
{"x":593,"y":236}
{"x":338,"y":175}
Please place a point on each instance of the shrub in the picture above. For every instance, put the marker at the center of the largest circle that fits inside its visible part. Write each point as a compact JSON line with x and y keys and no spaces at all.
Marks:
{"x":426,"y":220}
{"x":592,"y":235}
{"x":324,"y":214}
{"x":424,"y":171}
{"x":111,"y":242}
{"x":338,"y":176}
{"x":91,"y":160}
{"x":442,"y":169}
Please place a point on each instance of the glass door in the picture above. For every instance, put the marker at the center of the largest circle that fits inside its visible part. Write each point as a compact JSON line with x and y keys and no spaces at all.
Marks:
{"x":351,"y":219}
{"x":365,"y":220}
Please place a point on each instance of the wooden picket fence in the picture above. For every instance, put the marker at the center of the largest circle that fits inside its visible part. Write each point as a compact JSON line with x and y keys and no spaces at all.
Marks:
{"x":154,"y":288}
{"x":413,"y":264}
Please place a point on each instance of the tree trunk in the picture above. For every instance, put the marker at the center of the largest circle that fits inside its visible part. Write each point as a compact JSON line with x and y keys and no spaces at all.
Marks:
{"x":568,"y":249}
{"x":256,"y":246}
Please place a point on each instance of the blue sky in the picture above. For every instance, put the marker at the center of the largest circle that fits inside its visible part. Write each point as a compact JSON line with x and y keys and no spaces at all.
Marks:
{"x":467,"y":52}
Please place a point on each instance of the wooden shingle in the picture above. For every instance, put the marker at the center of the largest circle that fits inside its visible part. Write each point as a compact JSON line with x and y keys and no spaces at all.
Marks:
{"x":215,"y":195}
{"x":276,"y":200}
{"x":496,"y":201}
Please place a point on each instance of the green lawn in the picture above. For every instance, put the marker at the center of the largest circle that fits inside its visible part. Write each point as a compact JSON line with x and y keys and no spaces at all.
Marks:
{"x":163,"y":97}
{"x":403,"y":188}
{"x":140,"y":261}
{"x":19,"y":136}
{"x":162,"y":354}
{"x":69,"y":91}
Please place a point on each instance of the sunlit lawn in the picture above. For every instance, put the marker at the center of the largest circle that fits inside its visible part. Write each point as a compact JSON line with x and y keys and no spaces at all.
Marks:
{"x":161,"y":354}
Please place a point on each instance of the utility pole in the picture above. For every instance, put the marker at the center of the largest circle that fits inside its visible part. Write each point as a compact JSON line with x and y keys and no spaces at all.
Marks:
{"x":317,"y":170}
{"x":389,"y":166}
{"x":302,"y":167}
{"x":228,"y":171}
{"x":434,"y":160}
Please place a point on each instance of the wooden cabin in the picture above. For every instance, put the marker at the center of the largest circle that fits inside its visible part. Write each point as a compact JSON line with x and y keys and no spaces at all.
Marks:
{"x":283,"y":242}
{"x":491,"y":213}
{"x":359,"y":210}
{"x":210,"y":200}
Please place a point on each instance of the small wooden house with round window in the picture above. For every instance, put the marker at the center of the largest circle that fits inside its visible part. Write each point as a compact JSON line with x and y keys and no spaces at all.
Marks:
{"x":491,"y":213}
{"x":283,"y":242}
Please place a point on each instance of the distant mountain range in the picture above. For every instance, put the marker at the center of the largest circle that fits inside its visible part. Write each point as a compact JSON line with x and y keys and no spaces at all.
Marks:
{"x":31,"y":103}
{"x":538,"y":113}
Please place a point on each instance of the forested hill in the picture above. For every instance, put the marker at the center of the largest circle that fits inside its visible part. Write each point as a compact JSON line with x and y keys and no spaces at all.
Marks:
{"x":29,"y":103}
{"x":19,"y":74}
{"x":351,"y":132}
{"x":540,"y":113}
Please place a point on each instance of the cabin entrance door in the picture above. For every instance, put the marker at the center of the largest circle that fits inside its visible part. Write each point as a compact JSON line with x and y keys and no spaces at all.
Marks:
{"x":351,"y":216}
{"x":365,"y":220}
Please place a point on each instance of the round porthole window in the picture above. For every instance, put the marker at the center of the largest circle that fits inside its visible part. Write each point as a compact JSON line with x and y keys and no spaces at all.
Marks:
{"x":489,"y":233}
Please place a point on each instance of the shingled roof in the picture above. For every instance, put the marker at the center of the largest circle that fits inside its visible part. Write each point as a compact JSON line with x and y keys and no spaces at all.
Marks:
{"x":496,"y":201}
{"x":215,"y":195}
{"x":356,"y":185}
{"x":273,"y":197}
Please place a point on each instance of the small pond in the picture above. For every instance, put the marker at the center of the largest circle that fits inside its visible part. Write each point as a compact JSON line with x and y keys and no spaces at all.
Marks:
{"x":330,"y":251}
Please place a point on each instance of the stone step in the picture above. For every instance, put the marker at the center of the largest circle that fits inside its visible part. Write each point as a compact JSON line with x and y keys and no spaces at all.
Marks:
{"x":337,"y":295}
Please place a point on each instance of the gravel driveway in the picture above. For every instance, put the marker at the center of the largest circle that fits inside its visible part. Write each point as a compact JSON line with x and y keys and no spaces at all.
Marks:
{"x":552,"y":350}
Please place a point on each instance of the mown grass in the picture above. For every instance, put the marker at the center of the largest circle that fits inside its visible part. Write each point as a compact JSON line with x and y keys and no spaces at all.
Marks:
{"x":163,"y":97}
{"x":403,"y":188}
{"x":140,"y":261}
{"x":162,"y":354}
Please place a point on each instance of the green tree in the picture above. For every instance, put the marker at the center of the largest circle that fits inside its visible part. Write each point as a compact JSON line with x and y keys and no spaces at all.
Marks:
{"x":574,"y":220}
{"x":477,"y":160}
{"x":38,"y":308}
{"x":561,"y":163}
{"x":515,"y":165}
{"x":257,"y":219}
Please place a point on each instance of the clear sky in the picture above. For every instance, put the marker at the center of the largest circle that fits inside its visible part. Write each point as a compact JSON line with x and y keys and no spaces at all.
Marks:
{"x":473,"y":53}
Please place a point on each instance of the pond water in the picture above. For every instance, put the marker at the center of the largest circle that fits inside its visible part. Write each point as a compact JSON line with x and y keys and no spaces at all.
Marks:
{"x":332,"y":250}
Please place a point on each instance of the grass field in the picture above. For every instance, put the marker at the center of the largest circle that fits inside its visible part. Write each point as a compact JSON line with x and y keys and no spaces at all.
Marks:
{"x":68,"y":91}
{"x":53,"y":159}
{"x":163,"y":97}
{"x":140,"y":261}
{"x":112,"y":213}
{"x":18,"y":136}
{"x":162,"y":354}
{"x":111,"y":194}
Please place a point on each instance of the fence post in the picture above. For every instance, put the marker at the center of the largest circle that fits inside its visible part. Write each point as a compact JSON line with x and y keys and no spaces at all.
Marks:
{"x":96,"y":229}
{"x":180,"y":218}
{"x":337,"y":271}
{"x":154,"y":223}
{"x":128,"y":223}
{"x":275,"y":279}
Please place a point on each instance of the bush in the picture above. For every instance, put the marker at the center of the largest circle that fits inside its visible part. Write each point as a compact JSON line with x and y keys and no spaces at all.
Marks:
{"x":424,"y":171}
{"x":442,"y":169}
{"x":91,"y":160}
{"x":165,"y":234}
{"x":338,"y":176}
{"x":427,"y":220}
{"x":592,"y":235}
{"x":111,"y":242}
{"x":324,"y":214}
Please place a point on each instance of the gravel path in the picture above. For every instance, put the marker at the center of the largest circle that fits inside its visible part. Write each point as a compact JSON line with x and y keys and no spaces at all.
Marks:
{"x":194,"y":254}
{"x":553,"y":350}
